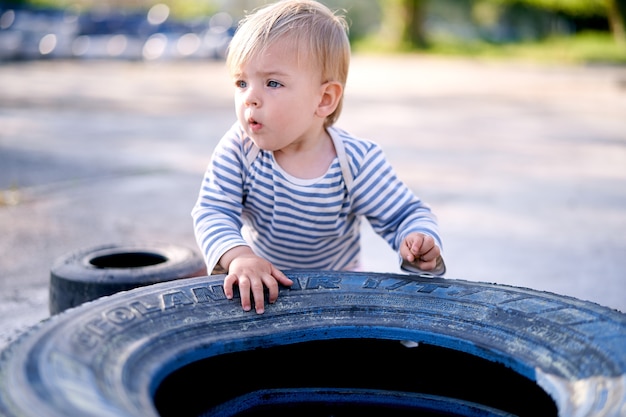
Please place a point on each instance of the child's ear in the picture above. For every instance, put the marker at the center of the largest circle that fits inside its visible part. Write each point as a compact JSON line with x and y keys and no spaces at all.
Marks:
{"x":331,"y":95}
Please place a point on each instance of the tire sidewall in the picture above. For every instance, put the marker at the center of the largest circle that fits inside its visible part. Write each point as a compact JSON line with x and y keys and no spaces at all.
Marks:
{"x":562,"y":344}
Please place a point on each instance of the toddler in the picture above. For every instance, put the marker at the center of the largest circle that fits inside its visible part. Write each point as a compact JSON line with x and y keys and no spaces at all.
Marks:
{"x":285,"y":189}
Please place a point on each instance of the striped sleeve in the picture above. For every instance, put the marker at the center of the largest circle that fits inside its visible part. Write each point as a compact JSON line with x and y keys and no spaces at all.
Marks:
{"x":217,"y":212}
{"x":392,"y":209}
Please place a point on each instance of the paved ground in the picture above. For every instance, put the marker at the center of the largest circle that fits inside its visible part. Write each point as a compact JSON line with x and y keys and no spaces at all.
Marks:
{"x":525,"y":166}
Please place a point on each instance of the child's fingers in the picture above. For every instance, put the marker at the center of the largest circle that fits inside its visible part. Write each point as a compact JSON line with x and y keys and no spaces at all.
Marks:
{"x":406,"y":250}
{"x":244,"y":289}
{"x":256,"y":288}
{"x":420,"y":249}
{"x":252,"y":288}
{"x":272,"y":286}
{"x":272,"y":281}
{"x":244,"y":292}
{"x":414,"y":242}
{"x":229,"y":281}
{"x":281,"y":277}
{"x":428,"y":251}
{"x":413,"y":247}
{"x":427,"y":265}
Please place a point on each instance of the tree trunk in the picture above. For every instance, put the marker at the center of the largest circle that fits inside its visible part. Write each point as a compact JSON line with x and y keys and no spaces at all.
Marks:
{"x":403,"y":23}
{"x":415,"y":17}
{"x":616,"y":15}
{"x":392,"y":24}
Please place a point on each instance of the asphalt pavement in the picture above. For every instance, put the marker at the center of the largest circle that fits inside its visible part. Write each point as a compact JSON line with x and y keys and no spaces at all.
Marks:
{"x":524,"y":165}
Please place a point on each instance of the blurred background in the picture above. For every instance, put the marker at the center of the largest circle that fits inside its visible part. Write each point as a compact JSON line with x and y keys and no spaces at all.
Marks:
{"x":508,"y":117}
{"x":570,"y":30}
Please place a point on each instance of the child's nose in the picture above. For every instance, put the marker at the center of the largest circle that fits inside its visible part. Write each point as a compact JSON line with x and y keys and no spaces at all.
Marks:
{"x":251,"y":98}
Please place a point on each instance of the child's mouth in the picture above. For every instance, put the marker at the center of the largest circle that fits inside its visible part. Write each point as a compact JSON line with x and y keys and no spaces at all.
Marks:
{"x":254,"y":125}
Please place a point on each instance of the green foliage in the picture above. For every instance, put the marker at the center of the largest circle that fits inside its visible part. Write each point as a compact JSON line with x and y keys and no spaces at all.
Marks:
{"x":580,"y":8}
{"x":583,"y":48}
{"x":188,"y":9}
{"x":182,"y":9}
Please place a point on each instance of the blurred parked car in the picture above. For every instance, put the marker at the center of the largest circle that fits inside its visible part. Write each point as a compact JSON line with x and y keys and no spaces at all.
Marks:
{"x":28,"y":34}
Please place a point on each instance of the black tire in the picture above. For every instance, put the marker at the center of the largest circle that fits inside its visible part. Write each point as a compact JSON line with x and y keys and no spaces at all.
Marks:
{"x":181,"y":348}
{"x":94,"y":272}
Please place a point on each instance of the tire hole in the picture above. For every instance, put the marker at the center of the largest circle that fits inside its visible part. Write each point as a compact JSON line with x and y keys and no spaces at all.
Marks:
{"x":127,"y":260}
{"x":360,"y":364}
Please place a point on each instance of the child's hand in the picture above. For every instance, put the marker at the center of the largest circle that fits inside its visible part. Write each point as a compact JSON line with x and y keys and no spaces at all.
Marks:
{"x":252,"y":273}
{"x":420,"y":250}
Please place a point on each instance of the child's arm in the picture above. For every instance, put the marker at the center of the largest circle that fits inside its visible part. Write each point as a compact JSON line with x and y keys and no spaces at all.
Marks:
{"x":396,"y":213}
{"x":252,"y":274}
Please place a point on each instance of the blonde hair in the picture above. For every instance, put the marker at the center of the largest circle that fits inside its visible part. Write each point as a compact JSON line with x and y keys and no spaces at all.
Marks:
{"x":319,"y":35}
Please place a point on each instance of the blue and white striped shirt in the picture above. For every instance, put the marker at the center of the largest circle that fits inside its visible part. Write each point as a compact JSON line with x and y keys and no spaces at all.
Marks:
{"x":303,"y":223}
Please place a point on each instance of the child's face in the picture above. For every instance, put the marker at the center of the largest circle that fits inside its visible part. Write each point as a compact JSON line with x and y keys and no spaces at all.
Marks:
{"x":276,"y":97}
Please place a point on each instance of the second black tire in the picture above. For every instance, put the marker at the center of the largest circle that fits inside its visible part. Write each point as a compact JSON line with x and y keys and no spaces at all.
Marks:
{"x":94,"y":272}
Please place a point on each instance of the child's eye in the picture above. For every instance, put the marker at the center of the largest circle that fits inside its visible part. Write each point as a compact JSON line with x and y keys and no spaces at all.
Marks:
{"x":273,"y":84}
{"x":241,"y":84}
